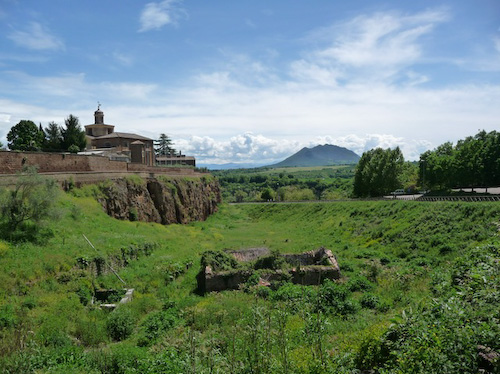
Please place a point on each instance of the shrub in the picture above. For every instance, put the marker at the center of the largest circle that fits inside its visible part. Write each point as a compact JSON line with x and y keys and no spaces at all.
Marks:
{"x":218,"y":260}
{"x":369,"y":301}
{"x":335,"y":298}
{"x":359,"y":283}
{"x":7,"y":316}
{"x":120,"y":324}
{"x":155,"y":324}
{"x":27,"y":206}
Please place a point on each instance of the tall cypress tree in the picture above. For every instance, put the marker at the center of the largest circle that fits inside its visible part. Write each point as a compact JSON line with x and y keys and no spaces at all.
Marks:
{"x":73,"y":134}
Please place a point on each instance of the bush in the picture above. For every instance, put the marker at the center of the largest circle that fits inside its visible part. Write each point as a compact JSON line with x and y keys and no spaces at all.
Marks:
{"x":25,"y":208}
{"x":334,"y":297}
{"x":218,"y":260}
{"x":155,"y":324}
{"x":7,"y":316}
{"x":120,"y":324}
{"x":73,"y":148}
{"x":369,"y":301}
{"x":359,"y":283}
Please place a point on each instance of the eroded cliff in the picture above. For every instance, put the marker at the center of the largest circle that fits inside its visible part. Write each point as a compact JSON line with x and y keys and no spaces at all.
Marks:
{"x":162,"y":200}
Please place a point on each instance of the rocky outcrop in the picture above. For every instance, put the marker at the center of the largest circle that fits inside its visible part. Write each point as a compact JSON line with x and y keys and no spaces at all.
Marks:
{"x":161,"y":200}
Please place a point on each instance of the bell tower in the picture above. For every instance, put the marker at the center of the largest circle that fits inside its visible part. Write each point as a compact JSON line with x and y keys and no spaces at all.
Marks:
{"x":98,"y":115}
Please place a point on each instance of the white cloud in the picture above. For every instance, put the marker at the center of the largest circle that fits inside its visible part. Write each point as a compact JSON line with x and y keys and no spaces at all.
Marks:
{"x":156,"y":15}
{"x":371,"y":47}
{"x":337,"y":93}
{"x":496,"y":43}
{"x":36,"y":37}
{"x":242,"y":148}
{"x":247,"y":147}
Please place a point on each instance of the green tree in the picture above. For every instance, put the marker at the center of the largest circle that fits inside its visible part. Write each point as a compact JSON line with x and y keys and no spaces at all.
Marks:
{"x":73,"y":134}
{"x":25,"y":136}
{"x":267,"y":194}
{"x":24,"y":208}
{"x":53,"y":138}
{"x":163,"y":146}
{"x":378,"y":172}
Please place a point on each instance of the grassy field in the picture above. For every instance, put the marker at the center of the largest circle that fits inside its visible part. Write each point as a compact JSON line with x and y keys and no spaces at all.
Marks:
{"x":420,"y":284}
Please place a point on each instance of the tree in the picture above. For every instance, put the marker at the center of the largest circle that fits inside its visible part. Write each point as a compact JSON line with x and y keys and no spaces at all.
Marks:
{"x":378,"y":172}
{"x":163,"y":146}
{"x":53,"y":138}
{"x":73,"y":134}
{"x":25,"y":136}
{"x":24,"y":208}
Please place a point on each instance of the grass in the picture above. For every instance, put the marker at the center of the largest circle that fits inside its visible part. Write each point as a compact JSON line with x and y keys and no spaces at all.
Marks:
{"x":389,"y":252}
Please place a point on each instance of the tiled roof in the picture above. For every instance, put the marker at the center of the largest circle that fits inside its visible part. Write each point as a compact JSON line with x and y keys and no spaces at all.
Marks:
{"x":125,"y":135}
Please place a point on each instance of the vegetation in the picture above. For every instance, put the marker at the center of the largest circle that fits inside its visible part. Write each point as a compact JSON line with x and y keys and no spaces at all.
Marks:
{"x":73,"y":137}
{"x":378,"y":172}
{"x":25,"y":136}
{"x":25,"y":208}
{"x":419,"y":293}
{"x":286,"y":184}
{"x":164,"y":146}
{"x":472,"y":162}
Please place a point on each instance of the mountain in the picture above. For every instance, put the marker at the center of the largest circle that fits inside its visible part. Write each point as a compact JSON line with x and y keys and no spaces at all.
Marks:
{"x":321,"y":155}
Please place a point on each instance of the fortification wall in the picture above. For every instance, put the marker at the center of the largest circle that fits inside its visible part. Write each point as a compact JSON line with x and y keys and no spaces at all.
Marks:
{"x":13,"y":162}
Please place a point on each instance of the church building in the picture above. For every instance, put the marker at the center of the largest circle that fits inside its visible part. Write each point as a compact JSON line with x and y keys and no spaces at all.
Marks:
{"x":102,"y":139}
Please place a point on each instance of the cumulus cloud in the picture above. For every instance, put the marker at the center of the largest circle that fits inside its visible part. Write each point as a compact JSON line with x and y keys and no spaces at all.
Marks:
{"x":252,"y":148}
{"x":36,"y":37}
{"x":156,"y":15}
{"x":241,"y":148}
{"x":337,"y":93}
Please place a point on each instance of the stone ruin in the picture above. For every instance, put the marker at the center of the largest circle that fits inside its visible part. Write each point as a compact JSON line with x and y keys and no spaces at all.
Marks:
{"x":102,"y":297}
{"x":307,"y":268}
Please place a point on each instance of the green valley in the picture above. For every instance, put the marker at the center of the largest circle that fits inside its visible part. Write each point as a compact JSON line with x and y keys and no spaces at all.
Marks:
{"x":419,"y":292}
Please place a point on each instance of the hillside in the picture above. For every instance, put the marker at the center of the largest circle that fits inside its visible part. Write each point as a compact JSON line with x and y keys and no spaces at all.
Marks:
{"x":321,"y":155}
{"x":404,"y":292}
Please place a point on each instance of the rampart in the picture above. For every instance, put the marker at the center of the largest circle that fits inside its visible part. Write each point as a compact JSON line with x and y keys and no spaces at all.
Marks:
{"x":80,"y":169}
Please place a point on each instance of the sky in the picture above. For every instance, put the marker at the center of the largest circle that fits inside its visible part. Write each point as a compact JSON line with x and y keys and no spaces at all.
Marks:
{"x":255,"y":81}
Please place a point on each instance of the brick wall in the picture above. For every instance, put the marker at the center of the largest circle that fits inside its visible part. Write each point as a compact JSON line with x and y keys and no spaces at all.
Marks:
{"x":12,"y":162}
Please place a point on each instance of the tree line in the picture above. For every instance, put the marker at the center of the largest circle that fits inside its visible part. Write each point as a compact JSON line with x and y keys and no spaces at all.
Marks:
{"x":473,"y":162}
{"x":27,"y":136}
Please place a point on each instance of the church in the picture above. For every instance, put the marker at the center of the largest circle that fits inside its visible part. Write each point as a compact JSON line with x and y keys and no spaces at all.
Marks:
{"x":121,"y":146}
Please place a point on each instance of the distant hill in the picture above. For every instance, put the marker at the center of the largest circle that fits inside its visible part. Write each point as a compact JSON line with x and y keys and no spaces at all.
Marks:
{"x":321,"y":155}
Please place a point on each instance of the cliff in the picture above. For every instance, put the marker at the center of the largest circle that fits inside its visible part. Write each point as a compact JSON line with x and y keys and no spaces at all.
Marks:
{"x":162,"y":200}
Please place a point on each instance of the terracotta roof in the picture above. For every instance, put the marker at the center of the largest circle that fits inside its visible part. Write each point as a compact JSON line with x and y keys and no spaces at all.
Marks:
{"x":125,"y":135}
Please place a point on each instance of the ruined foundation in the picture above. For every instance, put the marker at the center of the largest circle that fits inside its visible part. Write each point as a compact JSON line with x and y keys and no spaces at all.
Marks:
{"x":308,"y":268}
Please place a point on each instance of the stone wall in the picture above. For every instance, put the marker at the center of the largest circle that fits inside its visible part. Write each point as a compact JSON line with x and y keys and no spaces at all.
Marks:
{"x":307,"y":268}
{"x":12,"y":162}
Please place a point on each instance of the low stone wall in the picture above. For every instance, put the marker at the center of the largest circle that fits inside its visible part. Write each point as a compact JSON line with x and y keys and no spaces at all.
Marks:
{"x":308,"y":268}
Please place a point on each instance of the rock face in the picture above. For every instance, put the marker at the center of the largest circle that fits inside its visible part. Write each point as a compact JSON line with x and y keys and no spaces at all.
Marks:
{"x":162,"y":200}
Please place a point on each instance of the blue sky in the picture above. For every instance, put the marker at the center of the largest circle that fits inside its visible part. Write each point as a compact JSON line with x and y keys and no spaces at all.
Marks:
{"x":255,"y":81}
